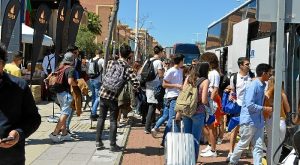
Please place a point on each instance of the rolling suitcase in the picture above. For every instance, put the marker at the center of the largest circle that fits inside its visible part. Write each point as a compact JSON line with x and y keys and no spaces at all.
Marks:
{"x":179,"y":147}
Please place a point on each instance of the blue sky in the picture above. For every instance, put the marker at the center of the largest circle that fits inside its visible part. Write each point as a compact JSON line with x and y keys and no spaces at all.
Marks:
{"x":174,"y":21}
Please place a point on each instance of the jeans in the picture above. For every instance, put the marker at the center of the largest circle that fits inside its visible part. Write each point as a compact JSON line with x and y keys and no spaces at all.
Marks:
{"x":164,"y":117}
{"x":150,"y":116}
{"x":249,"y":133}
{"x":105,"y":106}
{"x":194,"y":125}
{"x":142,"y":105}
{"x":172,"y":113}
{"x":94,"y":86}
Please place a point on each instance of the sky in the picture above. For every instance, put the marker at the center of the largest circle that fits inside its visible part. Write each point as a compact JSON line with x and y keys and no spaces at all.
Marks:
{"x":176,"y":21}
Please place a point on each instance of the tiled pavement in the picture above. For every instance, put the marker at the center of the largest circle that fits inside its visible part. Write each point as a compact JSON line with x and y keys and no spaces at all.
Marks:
{"x":41,"y":150}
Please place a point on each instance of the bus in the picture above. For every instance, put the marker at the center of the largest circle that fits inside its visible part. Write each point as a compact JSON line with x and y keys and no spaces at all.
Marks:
{"x":190,"y":52}
{"x":240,"y":34}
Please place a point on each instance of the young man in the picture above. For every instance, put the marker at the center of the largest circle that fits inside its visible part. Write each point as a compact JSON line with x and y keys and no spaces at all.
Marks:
{"x":49,"y":62}
{"x":95,"y":81}
{"x":64,"y":98}
{"x":151,"y":85}
{"x":251,"y":117}
{"x":109,"y":98}
{"x":238,"y":83}
{"x":173,"y":82}
{"x":13,"y":67}
{"x":19,"y":116}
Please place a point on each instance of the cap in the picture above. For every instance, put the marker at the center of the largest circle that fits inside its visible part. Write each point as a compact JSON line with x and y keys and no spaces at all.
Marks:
{"x":68,"y":58}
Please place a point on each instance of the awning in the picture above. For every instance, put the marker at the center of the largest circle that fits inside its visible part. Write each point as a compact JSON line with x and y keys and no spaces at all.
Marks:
{"x":27,"y":36}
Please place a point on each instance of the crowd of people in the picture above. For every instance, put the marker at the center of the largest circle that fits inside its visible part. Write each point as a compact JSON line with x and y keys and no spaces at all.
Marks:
{"x":146,"y":88}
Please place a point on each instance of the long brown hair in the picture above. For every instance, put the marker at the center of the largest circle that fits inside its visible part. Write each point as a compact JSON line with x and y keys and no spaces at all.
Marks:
{"x":200,"y":70}
{"x":212,"y":59}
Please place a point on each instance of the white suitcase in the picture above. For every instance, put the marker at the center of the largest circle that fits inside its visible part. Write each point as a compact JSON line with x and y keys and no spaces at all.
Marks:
{"x":179,"y":148}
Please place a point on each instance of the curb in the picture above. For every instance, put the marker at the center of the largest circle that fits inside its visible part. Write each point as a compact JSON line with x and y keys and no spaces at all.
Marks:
{"x":124,"y":142}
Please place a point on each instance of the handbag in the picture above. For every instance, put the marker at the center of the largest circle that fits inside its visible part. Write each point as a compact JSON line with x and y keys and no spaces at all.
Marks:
{"x":232,"y":108}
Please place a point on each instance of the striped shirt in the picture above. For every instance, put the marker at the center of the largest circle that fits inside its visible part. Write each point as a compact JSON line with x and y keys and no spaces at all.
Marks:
{"x":129,"y":76}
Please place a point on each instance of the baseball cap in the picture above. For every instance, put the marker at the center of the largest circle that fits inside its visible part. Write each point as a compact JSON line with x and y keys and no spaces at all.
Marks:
{"x":68,"y":58}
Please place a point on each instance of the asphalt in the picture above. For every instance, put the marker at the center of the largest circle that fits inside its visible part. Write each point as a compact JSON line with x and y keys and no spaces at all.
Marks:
{"x":41,"y":150}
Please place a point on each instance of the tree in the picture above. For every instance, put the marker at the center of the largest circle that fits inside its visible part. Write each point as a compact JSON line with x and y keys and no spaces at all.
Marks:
{"x":111,"y":26}
{"x":94,"y":23}
{"x":85,"y":40}
{"x":87,"y":34}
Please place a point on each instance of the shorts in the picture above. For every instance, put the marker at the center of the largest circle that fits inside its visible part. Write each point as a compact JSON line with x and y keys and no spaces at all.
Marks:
{"x":65,"y":99}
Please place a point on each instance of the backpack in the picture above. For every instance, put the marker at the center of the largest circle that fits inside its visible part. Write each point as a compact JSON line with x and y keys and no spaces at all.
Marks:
{"x":94,"y":70}
{"x":251,"y":74}
{"x":114,"y":79}
{"x":224,"y":82}
{"x":55,"y":82}
{"x":148,"y":72}
{"x":187,"y":101}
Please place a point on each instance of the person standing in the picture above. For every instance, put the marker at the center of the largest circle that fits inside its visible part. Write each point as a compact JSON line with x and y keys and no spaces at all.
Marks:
{"x":94,"y":71}
{"x":64,"y":98}
{"x":14,"y":67}
{"x":109,"y":97}
{"x":173,"y":83}
{"x":251,"y":117}
{"x":49,"y":62}
{"x":48,"y":68}
{"x":238,"y":83}
{"x":213,"y":93}
{"x":19,"y":117}
{"x":151,"y":85}
{"x":195,"y":123}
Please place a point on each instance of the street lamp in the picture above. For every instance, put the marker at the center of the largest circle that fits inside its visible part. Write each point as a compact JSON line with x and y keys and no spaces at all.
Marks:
{"x":197,"y":36}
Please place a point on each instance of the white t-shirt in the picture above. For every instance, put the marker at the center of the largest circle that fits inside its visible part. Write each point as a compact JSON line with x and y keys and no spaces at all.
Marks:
{"x":173,"y":76}
{"x":214,"y":80}
{"x":151,"y":85}
{"x":241,"y":83}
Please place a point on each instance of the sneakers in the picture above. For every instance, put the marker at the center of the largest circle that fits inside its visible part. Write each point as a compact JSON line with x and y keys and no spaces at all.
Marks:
{"x":54,"y":138}
{"x":154,"y":132}
{"x":147,"y":132}
{"x":66,"y":137}
{"x":208,"y":148}
{"x":94,"y":117}
{"x":99,"y":145}
{"x":228,"y":157}
{"x":209,"y":153}
{"x":116,"y":148}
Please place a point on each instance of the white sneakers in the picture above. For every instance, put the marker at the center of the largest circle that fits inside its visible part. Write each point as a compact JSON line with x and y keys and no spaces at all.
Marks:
{"x":208,"y":148}
{"x":207,"y":152}
{"x":60,"y":138}
{"x":54,"y":138}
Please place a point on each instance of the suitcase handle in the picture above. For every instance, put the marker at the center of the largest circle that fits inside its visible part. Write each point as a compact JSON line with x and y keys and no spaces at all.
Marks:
{"x":181,"y":126}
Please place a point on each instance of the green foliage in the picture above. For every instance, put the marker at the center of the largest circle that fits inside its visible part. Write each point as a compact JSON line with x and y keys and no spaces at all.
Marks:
{"x":85,"y":40}
{"x":94,"y":23}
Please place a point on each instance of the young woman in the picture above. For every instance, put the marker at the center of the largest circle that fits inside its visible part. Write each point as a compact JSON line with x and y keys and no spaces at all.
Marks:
{"x":195,"y":123}
{"x":285,"y":108}
{"x":213,"y":88}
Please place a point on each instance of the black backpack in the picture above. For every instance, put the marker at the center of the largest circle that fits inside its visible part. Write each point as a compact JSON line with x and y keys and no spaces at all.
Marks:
{"x":148,"y":72}
{"x":224,"y":82}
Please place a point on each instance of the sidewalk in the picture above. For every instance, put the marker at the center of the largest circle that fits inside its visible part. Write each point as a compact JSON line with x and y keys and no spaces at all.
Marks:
{"x":143,"y":149}
{"x":41,"y":150}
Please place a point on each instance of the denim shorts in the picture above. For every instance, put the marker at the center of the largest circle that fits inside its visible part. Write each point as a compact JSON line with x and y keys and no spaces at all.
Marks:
{"x":65,"y":99}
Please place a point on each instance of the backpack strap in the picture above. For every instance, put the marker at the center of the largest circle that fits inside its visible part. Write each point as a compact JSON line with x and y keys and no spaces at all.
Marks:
{"x":234,"y":80}
{"x":199,"y":81}
{"x":49,"y":62}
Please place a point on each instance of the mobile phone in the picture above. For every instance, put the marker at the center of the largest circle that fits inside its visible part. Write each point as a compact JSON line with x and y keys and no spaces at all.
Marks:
{"x":10,"y":138}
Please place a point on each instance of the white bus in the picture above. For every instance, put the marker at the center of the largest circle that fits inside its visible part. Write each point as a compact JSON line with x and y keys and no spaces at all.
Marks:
{"x":239,"y":34}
